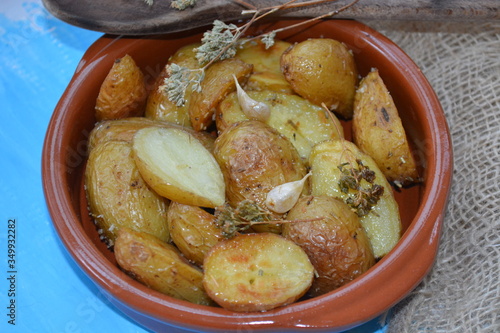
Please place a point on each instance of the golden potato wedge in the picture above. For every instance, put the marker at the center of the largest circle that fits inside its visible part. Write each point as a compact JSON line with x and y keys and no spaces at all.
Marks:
{"x":331,"y":164}
{"x":159,"y":266}
{"x":256,"y":272}
{"x":123,"y":92}
{"x":254,"y":158}
{"x":125,"y":129}
{"x":378,"y":131}
{"x":158,"y":106}
{"x":177,"y":166}
{"x":193,"y":230}
{"x":218,"y":82}
{"x":266,"y":74}
{"x":303,"y":123}
{"x":118,"y":196}
{"x":337,"y":244}
{"x":322,"y":70}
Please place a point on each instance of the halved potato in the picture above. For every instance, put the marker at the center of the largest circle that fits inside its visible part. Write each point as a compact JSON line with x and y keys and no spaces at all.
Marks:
{"x":378,"y":131}
{"x":382,"y":223}
{"x":123,"y":92}
{"x":118,"y":196}
{"x":256,"y":272}
{"x":322,"y":70}
{"x":193,"y":230}
{"x":177,"y":166}
{"x":337,"y":244}
{"x":302,"y":122}
{"x":125,"y":129}
{"x":159,"y":266}
{"x":218,"y":82}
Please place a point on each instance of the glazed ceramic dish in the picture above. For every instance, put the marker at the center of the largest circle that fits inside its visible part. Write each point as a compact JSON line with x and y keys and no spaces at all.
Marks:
{"x":386,"y":283}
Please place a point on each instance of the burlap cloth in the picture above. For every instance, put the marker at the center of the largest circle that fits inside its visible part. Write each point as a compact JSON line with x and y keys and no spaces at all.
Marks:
{"x":462,"y":62}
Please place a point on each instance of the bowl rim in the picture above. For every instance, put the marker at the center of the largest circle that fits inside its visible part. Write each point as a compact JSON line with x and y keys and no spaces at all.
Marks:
{"x":131,"y":294}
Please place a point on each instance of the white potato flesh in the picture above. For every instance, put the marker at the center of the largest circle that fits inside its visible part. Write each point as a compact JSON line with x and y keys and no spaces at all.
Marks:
{"x":177,"y":166}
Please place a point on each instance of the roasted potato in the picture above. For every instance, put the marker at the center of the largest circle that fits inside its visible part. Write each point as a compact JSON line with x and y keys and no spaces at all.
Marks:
{"x":255,"y":158}
{"x":216,"y":85}
{"x":193,"y":230}
{"x":333,"y":164}
{"x":266,"y":74}
{"x":177,"y":166}
{"x":302,"y":122}
{"x":159,"y":266}
{"x":125,"y":129}
{"x":337,"y":244}
{"x":123,"y":92}
{"x":378,"y":131}
{"x":322,"y":70}
{"x":158,"y":105}
{"x":256,"y":272}
{"x":118,"y":196}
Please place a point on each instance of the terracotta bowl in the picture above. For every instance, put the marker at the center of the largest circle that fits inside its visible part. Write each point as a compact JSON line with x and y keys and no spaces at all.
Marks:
{"x":391,"y":279}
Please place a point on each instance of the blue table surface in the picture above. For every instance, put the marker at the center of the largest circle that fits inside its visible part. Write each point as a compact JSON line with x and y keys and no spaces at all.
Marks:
{"x":49,"y":292}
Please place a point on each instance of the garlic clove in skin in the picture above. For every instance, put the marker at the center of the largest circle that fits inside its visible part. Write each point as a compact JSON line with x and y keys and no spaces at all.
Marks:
{"x":251,"y":108}
{"x":283,"y":197}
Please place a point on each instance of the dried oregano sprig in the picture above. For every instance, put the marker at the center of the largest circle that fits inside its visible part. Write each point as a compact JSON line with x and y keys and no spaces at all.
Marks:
{"x":221,"y":43}
{"x":364,"y":198}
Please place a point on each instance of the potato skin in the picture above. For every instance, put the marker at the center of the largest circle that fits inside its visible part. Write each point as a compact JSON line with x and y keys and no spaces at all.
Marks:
{"x":158,"y":106}
{"x":383,"y":223}
{"x":159,"y":266}
{"x":256,"y":272}
{"x":216,"y":85}
{"x":322,"y":70}
{"x":193,"y":231}
{"x":337,"y":245}
{"x":378,"y":131}
{"x":266,"y":74}
{"x":302,"y":122}
{"x":125,"y":129}
{"x":118,"y":196}
{"x":123,"y":92}
{"x":255,"y":158}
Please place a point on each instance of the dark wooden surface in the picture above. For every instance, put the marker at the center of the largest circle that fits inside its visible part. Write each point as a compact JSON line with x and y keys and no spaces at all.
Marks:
{"x":134,"y":17}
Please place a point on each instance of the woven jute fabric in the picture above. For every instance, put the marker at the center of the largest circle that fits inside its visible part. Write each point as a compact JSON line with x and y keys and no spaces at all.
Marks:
{"x":461,"y":60}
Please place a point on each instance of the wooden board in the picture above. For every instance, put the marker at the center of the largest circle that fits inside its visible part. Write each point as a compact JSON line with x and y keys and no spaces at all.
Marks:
{"x":135,"y":17}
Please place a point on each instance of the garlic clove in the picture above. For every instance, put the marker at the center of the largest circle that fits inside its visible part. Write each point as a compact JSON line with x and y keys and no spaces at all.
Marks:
{"x":283,"y":197}
{"x":251,"y":108}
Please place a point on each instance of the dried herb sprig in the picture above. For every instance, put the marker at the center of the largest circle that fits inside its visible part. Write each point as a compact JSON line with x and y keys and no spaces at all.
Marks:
{"x":221,"y":42}
{"x":233,"y":221}
{"x":351,"y":180}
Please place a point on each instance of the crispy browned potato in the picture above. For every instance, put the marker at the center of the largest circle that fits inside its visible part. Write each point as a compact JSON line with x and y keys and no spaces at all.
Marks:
{"x":158,"y":106}
{"x":303,"y":123}
{"x":323,"y":71}
{"x":159,"y":266}
{"x":125,"y":129}
{"x":256,"y":272}
{"x":382,"y":223}
{"x":255,"y":158}
{"x":118,"y":196}
{"x":193,"y":230}
{"x":216,"y":85}
{"x":337,"y":244}
{"x":177,"y":166}
{"x":378,"y":131}
{"x":123,"y":92}
{"x":266,"y":73}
